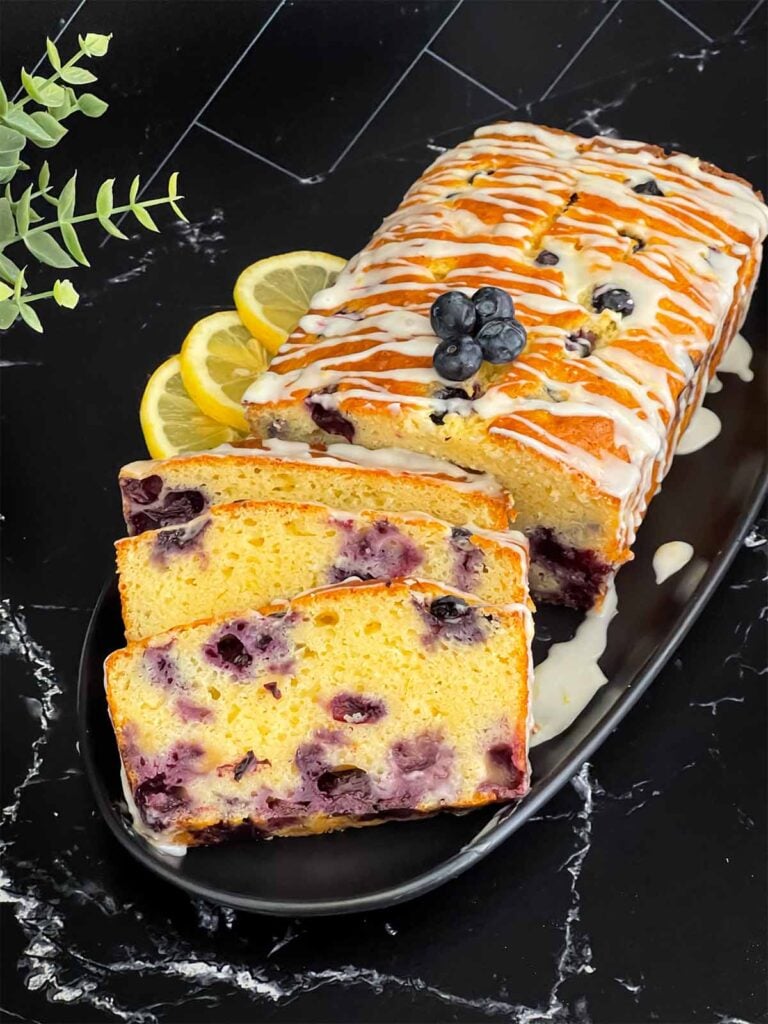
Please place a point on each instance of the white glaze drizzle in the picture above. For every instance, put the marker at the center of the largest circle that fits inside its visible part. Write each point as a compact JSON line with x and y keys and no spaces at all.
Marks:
{"x":737,"y":359}
{"x":670,"y":558}
{"x":683,"y":283}
{"x":703,"y":427}
{"x":568,"y":678}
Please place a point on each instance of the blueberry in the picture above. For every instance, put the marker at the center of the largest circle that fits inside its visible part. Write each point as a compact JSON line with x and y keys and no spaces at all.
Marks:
{"x":330,"y":420}
{"x":647,"y":188}
{"x":452,"y":316}
{"x":177,"y":507}
{"x":449,"y":609}
{"x":340,"y":782}
{"x":547,"y":258}
{"x":458,"y":360}
{"x":501,"y":340}
{"x":446,"y":393}
{"x":243,"y":765}
{"x":417,"y":754}
{"x":157,"y":800}
{"x":142,"y":491}
{"x":617,"y":299}
{"x":502,"y":766}
{"x":231,"y":649}
{"x":581,"y":342}
{"x":356,"y":709}
{"x":492,"y":304}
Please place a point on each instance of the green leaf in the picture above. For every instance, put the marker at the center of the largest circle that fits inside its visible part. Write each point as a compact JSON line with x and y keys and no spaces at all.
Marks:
{"x":72,"y":242}
{"x":7,"y":223}
{"x":8,"y":269}
{"x":50,"y":126}
{"x":46,"y":249}
{"x":5,"y":292}
{"x":133,"y":191}
{"x":177,"y":210}
{"x":104,"y":206}
{"x":9,"y":159}
{"x":44,"y":176}
{"x":143,"y":217}
{"x":28,"y":126}
{"x":8,"y":313}
{"x":67,"y":198}
{"x":67,"y":106}
{"x":173,"y":195}
{"x":65,"y":294}
{"x":53,"y":54}
{"x":34,"y":216}
{"x":22,"y":212}
{"x":30,"y":317}
{"x":91,"y":105}
{"x":7,"y":173}
{"x":3,"y":100}
{"x":11,"y":141}
{"x":93,"y":44}
{"x":47,"y":94}
{"x":77,"y":76}
{"x":20,"y":284}
{"x":104,"y":200}
{"x":112,"y":229}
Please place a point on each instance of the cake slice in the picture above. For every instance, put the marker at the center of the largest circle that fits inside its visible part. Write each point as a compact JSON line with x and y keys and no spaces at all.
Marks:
{"x":245,"y":554}
{"x":169,"y":492}
{"x":631,"y":269}
{"x":345,"y":706}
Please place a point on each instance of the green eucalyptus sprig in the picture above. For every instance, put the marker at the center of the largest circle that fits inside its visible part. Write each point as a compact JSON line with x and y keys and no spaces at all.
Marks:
{"x":36,"y":118}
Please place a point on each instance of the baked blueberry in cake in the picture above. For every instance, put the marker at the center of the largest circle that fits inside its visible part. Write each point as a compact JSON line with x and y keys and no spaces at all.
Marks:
{"x":627,"y":271}
{"x":348,"y":705}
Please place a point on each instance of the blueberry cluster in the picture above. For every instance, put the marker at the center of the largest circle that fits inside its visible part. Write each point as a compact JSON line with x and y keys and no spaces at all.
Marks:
{"x":471,"y":330}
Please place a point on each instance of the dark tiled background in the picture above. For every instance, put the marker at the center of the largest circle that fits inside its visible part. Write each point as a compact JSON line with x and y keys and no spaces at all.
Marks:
{"x":297,"y":125}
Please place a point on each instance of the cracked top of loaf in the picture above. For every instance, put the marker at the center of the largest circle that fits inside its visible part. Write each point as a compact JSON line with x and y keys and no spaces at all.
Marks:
{"x":602,"y":393}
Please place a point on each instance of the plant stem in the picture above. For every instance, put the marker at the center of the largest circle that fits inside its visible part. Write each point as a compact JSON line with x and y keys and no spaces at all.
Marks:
{"x":87,"y":216}
{"x":52,"y":80}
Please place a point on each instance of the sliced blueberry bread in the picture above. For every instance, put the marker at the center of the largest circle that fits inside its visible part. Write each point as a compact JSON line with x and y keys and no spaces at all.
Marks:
{"x":247,"y":553}
{"x":169,"y":492}
{"x":346,"y":706}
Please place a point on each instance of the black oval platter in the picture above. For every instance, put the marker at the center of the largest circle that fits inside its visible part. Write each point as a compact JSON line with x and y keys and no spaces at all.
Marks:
{"x":709,"y":499}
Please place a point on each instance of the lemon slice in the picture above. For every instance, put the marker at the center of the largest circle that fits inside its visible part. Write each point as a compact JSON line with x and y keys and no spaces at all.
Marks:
{"x":170,"y":420}
{"x":219,"y":359}
{"x":272,"y":295}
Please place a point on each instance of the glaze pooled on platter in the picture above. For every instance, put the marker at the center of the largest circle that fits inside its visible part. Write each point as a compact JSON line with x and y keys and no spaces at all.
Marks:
{"x":704,"y":427}
{"x":569,"y":677}
{"x":670,"y":558}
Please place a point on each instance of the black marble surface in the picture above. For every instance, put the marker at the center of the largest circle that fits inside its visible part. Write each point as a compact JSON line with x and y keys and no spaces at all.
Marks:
{"x":640,"y":893}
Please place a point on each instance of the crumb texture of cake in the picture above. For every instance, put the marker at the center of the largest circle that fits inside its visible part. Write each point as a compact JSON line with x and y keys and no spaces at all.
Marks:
{"x":170,"y":492}
{"x":348,"y":705}
{"x":631,"y":269}
{"x":246,"y":554}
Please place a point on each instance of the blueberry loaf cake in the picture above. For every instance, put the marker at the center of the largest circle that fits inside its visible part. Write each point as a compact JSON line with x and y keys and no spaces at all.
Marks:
{"x":169,"y":492}
{"x":248,"y":553}
{"x":629,"y":268}
{"x":344,"y":706}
